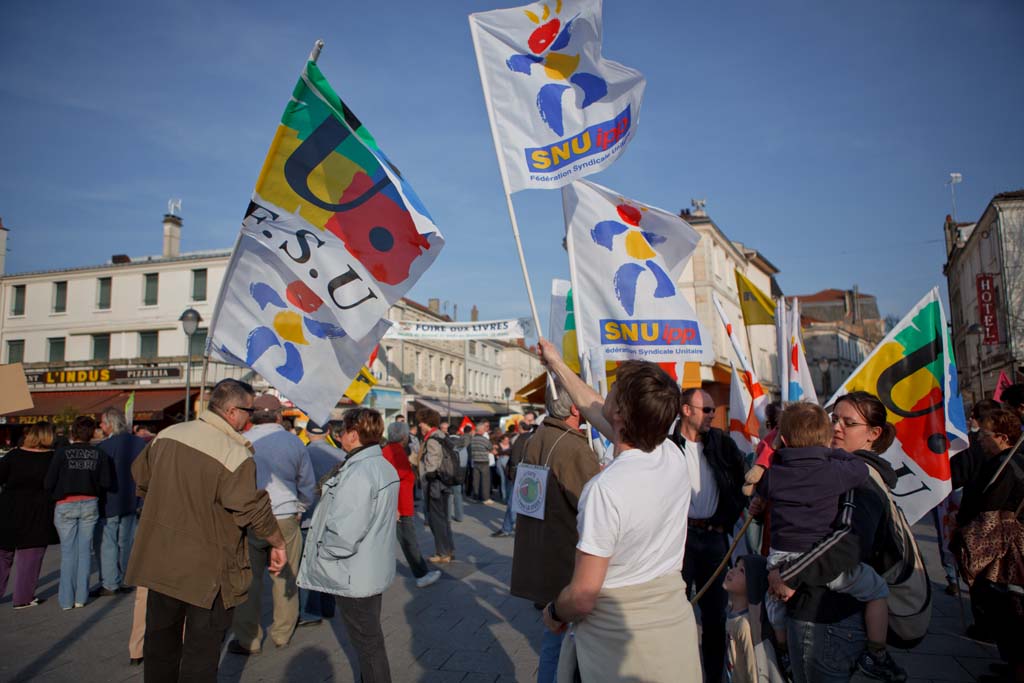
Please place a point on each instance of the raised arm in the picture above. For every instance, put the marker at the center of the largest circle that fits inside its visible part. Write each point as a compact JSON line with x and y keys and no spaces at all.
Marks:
{"x":583,"y":395}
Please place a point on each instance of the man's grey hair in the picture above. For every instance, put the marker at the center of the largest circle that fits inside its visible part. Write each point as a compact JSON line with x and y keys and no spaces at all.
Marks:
{"x":397,"y":431}
{"x":558,"y":408}
{"x":116,"y":419}
{"x":229,"y":393}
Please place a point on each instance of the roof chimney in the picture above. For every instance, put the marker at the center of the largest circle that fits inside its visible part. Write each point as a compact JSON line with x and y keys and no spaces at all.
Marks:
{"x":3,"y":247}
{"x":434,"y":305}
{"x":474,"y":314}
{"x":172,"y":235}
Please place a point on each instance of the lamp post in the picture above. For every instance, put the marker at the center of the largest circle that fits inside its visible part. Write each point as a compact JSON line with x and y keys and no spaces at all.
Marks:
{"x":826,"y":377}
{"x":448,"y":379}
{"x":977,"y":329}
{"x":508,"y":393}
{"x":190,"y":320}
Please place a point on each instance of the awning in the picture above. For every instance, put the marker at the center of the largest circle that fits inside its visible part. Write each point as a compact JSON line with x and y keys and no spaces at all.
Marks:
{"x":459,"y":408}
{"x":535,"y":391}
{"x":150,"y":404}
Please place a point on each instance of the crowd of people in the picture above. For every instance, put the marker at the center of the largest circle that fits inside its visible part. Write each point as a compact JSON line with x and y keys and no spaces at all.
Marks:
{"x":615,"y":555}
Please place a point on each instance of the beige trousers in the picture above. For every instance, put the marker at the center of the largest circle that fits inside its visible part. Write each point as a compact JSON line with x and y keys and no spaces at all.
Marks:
{"x":246,"y":624}
{"x":138,"y":635}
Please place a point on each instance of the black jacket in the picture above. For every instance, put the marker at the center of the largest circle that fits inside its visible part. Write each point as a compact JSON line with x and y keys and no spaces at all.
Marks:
{"x":864,"y":533}
{"x":1005,"y":493}
{"x":79,"y":469}
{"x":728,"y":464}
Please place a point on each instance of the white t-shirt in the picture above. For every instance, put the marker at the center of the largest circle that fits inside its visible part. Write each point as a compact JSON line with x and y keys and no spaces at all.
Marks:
{"x":634,"y":512}
{"x":704,"y":500}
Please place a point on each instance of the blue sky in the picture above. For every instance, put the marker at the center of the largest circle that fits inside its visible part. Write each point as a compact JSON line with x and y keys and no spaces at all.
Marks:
{"x":820,"y":133}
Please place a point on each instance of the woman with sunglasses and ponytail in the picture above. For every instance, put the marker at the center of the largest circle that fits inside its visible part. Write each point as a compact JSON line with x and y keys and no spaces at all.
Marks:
{"x":826,"y":633}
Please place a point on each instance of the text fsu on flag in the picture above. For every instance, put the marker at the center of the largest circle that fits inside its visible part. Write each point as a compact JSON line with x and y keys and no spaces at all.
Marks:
{"x":593,"y":140}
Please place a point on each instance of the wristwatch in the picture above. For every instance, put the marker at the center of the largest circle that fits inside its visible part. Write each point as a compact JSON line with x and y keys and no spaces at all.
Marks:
{"x":552,"y":613}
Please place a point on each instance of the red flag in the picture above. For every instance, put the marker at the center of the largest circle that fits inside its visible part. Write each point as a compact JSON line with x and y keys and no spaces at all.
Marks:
{"x":1001,"y":385}
{"x":466,"y":422}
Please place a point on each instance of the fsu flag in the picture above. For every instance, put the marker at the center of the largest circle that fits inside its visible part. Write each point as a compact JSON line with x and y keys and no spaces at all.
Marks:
{"x":626,"y":258}
{"x":743,"y":424}
{"x":913,"y":373}
{"x":332,"y":237}
{"x":558,"y":109}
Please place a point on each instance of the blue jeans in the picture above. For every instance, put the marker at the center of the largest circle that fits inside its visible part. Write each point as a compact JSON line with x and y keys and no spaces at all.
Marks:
{"x":455,"y":504}
{"x":550,"y":647}
{"x":502,"y":487}
{"x":114,"y":538}
{"x":825,"y":653}
{"x":75,"y":524}
{"x":508,"y":524}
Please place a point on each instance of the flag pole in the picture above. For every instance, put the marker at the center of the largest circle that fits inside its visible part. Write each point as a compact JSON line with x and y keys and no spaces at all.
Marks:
{"x":508,"y":195}
{"x":315,"y":52}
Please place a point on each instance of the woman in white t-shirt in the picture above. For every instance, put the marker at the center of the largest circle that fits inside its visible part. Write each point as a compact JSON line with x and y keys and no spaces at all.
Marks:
{"x":626,"y":603}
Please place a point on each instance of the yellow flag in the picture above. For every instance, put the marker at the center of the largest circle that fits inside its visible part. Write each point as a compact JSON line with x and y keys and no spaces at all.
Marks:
{"x":361,"y":386}
{"x":758,"y":308}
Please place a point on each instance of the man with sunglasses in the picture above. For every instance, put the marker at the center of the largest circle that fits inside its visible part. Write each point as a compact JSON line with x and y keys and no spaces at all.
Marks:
{"x":198,"y":482}
{"x":716,"y":502}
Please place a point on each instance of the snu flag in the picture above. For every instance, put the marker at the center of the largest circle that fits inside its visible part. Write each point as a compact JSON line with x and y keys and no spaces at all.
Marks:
{"x":758,"y":308}
{"x":332,"y":237}
{"x":912,"y":371}
{"x":626,"y":258}
{"x":559,"y":110}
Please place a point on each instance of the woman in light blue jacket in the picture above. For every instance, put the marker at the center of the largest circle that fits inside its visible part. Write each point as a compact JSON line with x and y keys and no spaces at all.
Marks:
{"x":350,"y":551}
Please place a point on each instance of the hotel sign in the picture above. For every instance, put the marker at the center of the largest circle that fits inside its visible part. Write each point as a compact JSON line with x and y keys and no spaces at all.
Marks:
{"x":987,"y":308}
{"x":97,"y":375}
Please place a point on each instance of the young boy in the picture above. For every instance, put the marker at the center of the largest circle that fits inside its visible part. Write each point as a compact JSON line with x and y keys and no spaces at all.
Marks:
{"x":804,"y":484}
{"x":751,"y":655}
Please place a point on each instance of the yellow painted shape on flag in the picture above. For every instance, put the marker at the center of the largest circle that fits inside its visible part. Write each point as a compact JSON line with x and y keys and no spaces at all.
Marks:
{"x":328,"y":181}
{"x":571,"y":350}
{"x":691,"y":376}
{"x":288,"y":325}
{"x":361,"y":385}
{"x":758,"y":308}
{"x":559,"y":66}
{"x":906,"y":392}
{"x":637,"y":246}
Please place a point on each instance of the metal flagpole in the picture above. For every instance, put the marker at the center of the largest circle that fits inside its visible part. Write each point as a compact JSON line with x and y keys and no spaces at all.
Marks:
{"x":508,"y":195}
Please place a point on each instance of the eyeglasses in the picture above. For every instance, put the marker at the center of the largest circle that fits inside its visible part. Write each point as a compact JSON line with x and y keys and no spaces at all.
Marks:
{"x":707,"y":410}
{"x":846,"y":422}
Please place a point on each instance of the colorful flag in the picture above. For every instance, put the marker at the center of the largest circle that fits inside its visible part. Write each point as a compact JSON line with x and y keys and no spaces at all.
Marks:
{"x":912,"y":371}
{"x":129,"y":409}
{"x":558,"y":109}
{"x":758,"y":398}
{"x":562,"y":323}
{"x":758,"y":308}
{"x":801,"y":384}
{"x":332,"y":237}
{"x":364,"y":381}
{"x":626,"y":258}
{"x":1001,"y":386}
{"x":743,"y":424}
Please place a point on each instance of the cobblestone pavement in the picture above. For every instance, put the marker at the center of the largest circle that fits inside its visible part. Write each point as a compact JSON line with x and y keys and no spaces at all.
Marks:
{"x":464,"y":628}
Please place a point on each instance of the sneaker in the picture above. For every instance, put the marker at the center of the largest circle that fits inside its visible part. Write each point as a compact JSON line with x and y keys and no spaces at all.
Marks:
{"x":440,"y":559}
{"x":32,"y":603}
{"x":489,"y":502}
{"x":236,"y":648}
{"x":952,"y":589}
{"x":79,"y":604}
{"x":309,"y":621}
{"x":102,"y":592}
{"x":428,"y":579}
{"x":880,"y":666}
{"x":500,"y":534}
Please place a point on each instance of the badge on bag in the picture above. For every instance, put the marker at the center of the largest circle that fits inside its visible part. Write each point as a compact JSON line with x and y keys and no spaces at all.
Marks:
{"x":530,"y":490}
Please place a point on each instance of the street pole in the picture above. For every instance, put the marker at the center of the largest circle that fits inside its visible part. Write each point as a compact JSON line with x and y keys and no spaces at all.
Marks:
{"x":448,"y":379}
{"x":189,"y":320}
{"x":188,"y":379}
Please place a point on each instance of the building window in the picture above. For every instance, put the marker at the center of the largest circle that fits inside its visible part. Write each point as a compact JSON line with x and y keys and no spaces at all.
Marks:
{"x":60,"y":296}
{"x":103,"y":293}
{"x":472,"y":348}
{"x":197,"y":344}
{"x":101,"y":347}
{"x":18,"y":300}
{"x":152,"y":281}
{"x":15,"y":350}
{"x":199,"y":284}
{"x":148,"y":344}
{"x":55,"y":351}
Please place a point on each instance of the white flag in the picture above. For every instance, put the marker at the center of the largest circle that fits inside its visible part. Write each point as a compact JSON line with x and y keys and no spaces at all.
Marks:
{"x":626,"y":259}
{"x":801,"y":384}
{"x":743,"y":424}
{"x":559,"y":111}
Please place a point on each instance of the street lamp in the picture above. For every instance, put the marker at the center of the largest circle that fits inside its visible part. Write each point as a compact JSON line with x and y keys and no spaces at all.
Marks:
{"x":190,"y":320}
{"x":977,"y":329}
{"x":508,"y":393}
{"x":826,"y":377}
{"x":448,"y":379}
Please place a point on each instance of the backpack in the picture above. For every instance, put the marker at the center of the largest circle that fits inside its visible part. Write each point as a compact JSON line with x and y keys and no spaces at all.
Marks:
{"x":449,"y":473}
{"x":910,"y":591}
